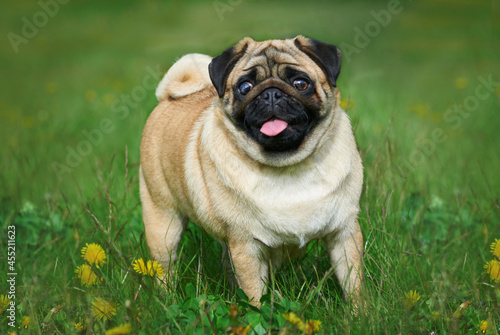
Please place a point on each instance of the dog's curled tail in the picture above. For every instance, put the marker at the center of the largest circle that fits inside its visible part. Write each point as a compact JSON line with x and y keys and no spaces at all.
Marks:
{"x":188,"y":75}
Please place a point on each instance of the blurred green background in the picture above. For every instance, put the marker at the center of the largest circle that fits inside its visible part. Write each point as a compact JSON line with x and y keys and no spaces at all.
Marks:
{"x":91,"y":54}
{"x":419,"y":79}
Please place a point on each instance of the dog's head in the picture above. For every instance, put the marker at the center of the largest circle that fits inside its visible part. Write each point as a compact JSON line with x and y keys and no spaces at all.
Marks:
{"x":278,"y":96}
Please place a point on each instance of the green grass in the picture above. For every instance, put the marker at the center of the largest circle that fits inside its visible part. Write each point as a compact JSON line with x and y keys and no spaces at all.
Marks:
{"x":430,"y":210}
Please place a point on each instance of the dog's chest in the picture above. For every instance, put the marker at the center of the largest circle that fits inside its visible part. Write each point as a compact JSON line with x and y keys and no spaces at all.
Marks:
{"x":291,"y":213}
{"x":292,"y":207}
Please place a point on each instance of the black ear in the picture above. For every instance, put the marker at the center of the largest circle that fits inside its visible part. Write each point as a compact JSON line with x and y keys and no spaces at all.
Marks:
{"x":222,"y":65}
{"x":327,"y":56}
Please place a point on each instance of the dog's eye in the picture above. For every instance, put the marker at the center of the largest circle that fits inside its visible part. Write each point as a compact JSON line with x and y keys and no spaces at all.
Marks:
{"x":245,"y":87}
{"x":300,"y":84}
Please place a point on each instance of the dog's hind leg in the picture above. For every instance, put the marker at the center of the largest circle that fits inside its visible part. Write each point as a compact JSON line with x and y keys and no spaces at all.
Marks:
{"x":164,"y":228}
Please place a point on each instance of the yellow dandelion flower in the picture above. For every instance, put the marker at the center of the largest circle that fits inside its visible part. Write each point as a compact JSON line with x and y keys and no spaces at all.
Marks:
{"x":312,"y":326}
{"x":483,"y":327}
{"x":26,"y":322}
{"x":461,"y":83}
{"x":79,"y":326}
{"x":294,"y":320}
{"x":103,"y":309}
{"x":94,"y":254}
{"x":90,"y":95}
{"x":346,"y":103}
{"x":109,"y":98}
{"x":151,"y":268}
{"x":495,"y":248}
{"x":4,"y":303}
{"x":11,"y":332}
{"x":422,"y":110}
{"x":493,"y":269}
{"x":120,"y":330}
{"x":87,"y":275}
{"x":139,"y":266}
{"x":411,"y":299}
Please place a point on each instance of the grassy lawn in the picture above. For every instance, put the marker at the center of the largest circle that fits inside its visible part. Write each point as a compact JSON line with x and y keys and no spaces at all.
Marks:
{"x":420,"y":82}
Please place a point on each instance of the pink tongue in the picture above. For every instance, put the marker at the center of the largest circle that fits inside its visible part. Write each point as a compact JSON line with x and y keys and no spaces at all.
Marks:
{"x":273,"y":127}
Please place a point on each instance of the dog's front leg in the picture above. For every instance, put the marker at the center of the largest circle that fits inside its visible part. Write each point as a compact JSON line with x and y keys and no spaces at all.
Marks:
{"x":250,"y":267}
{"x":345,"y":249}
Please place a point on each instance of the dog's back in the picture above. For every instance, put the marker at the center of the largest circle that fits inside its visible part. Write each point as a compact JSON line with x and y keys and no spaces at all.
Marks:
{"x":183,"y":93}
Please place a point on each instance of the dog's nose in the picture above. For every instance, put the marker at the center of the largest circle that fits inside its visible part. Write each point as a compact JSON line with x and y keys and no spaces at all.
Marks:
{"x":272,"y":95}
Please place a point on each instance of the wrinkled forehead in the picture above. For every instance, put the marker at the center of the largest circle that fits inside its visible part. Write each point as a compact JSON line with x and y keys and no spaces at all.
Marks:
{"x":271,"y":54}
{"x":270,"y":58}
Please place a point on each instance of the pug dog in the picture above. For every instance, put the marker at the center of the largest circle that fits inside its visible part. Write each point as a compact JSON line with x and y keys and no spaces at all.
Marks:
{"x":253,"y":146}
